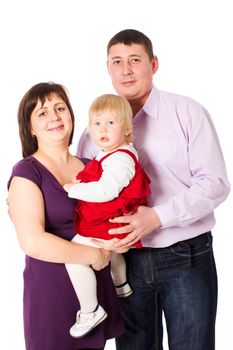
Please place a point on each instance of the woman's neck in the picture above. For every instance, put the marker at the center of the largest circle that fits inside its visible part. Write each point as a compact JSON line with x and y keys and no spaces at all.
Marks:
{"x":58,"y":155}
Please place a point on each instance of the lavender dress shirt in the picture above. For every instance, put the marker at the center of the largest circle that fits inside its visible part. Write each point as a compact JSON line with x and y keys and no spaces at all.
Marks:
{"x":179,"y":149}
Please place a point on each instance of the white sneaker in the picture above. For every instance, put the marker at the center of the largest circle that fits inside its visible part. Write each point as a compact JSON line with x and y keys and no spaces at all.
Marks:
{"x":85,"y":322}
{"x":124,"y":290}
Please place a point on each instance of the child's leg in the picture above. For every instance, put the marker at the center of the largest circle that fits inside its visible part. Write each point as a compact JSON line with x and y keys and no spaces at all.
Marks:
{"x":118,"y":268}
{"x":84,"y":282}
{"x":118,"y":272}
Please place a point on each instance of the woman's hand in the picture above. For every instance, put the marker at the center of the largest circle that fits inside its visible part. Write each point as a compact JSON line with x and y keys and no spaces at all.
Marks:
{"x":102,"y":259}
{"x":110,"y":245}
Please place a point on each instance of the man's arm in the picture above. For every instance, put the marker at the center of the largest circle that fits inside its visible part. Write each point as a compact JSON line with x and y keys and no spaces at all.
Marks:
{"x":208,"y":187}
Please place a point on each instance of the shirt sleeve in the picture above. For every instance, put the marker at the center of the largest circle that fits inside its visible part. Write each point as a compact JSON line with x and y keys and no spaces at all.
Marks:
{"x":209,"y":184}
{"x":86,"y":148}
{"x":118,"y":170}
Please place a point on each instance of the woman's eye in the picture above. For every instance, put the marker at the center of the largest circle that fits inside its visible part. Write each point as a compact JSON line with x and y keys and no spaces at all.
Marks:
{"x":60,"y":109}
{"x":42,"y":114}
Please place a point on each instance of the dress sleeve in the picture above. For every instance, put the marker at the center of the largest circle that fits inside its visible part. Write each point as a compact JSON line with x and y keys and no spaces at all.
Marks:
{"x":28,"y":169}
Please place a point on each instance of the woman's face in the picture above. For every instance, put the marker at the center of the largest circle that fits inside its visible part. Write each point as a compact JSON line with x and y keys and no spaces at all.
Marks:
{"x":51,"y":122}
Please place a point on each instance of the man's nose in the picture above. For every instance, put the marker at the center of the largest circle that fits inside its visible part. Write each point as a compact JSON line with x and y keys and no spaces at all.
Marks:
{"x":126,"y":68}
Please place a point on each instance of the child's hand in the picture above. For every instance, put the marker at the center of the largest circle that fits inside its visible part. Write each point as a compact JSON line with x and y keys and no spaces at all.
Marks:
{"x":68,"y":186}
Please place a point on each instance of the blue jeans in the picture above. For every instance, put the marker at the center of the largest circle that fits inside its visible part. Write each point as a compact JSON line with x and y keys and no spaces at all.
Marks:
{"x":181,"y":281}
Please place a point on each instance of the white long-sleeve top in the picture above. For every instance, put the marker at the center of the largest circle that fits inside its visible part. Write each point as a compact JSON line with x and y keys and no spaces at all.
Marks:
{"x":118,"y":170}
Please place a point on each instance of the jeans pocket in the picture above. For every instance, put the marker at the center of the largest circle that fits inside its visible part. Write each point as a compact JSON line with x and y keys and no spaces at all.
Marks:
{"x":195,"y":247}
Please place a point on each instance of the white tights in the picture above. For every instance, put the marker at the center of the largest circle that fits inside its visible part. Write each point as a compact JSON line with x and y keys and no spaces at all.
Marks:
{"x":83,"y":277}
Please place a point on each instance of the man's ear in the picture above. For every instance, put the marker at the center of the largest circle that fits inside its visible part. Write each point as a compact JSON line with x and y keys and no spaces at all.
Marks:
{"x":155,"y":64}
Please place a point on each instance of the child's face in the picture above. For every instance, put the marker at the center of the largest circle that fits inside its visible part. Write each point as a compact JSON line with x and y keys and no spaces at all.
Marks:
{"x":107,"y":131}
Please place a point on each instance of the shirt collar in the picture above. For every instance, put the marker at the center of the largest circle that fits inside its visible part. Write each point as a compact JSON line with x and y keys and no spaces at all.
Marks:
{"x":151,"y":106}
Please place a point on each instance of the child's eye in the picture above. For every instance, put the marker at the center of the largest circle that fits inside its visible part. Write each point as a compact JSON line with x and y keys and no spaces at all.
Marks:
{"x":110,"y":122}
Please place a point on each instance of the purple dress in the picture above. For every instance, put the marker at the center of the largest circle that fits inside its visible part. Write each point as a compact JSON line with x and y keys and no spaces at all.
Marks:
{"x":50,"y":303}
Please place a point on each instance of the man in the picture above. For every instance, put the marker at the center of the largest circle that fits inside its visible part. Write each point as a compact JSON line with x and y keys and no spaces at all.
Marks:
{"x":178,"y":147}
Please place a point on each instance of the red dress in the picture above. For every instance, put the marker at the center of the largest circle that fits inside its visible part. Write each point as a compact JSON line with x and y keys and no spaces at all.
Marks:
{"x":92,"y":218}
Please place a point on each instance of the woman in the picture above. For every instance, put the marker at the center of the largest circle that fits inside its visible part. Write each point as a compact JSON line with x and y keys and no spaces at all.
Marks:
{"x":43,"y":217}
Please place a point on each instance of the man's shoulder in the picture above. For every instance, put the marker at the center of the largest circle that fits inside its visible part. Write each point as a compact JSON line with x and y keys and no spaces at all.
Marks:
{"x":181,"y":105}
{"x":178,"y":98}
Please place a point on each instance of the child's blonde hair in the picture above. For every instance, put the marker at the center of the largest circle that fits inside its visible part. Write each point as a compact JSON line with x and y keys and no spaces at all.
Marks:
{"x":117,"y":105}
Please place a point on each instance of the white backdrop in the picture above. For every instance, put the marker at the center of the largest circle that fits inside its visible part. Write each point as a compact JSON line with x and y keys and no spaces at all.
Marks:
{"x":65,"y":41}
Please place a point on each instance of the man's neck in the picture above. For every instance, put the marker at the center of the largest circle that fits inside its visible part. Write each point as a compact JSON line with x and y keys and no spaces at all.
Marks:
{"x":136,"y":106}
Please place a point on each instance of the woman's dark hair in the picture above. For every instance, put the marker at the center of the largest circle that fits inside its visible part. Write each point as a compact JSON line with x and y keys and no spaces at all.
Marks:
{"x":38,"y":92}
{"x":129,"y":37}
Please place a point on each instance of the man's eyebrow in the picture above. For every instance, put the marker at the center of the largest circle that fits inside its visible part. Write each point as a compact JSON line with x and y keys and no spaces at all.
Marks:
{"x":132,"y":55}
{"x":114,"y":57}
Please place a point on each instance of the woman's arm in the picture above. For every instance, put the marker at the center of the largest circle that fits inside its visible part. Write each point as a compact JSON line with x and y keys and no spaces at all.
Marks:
{"x":27,"y":212}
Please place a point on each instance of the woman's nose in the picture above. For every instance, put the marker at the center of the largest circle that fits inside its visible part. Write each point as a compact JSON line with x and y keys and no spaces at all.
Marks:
{"x":55,"y":116}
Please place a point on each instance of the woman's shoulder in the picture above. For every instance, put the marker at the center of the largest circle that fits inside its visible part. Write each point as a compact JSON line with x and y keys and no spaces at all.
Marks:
{"x":28,"y":164}
{"x":28,"y":168}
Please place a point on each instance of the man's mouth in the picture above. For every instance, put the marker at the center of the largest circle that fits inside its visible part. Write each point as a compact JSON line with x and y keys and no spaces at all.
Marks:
{"x":128,"y":82}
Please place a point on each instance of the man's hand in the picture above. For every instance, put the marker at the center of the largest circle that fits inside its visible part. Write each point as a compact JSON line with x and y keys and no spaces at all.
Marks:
{"x":140,"y":224}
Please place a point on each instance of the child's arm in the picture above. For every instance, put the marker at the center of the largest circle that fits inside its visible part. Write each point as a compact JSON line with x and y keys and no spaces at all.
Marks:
{"x":68,"y":186}
{"x":118,"y":170}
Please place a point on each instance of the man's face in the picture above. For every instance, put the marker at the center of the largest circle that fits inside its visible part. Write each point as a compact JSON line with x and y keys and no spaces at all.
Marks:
{"x":131,"y":71}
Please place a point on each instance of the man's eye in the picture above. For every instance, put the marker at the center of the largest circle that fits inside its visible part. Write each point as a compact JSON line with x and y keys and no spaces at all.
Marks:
{"x":135,"y":60}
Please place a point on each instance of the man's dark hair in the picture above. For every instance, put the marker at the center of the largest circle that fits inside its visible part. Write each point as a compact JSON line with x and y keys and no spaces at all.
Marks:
{"x":129,"y":37}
